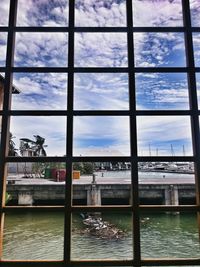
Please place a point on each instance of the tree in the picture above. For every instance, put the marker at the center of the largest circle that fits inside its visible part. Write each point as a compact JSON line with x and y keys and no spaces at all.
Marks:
{"x":12,"y":150}
{"x":36,"y":145}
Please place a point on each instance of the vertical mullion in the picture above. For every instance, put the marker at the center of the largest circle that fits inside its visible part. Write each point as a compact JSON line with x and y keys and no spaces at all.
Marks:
{"x":6,"y":106}
{"x":192,"y":97}
{"x":133,"y":137}
{"x":68,"y":195}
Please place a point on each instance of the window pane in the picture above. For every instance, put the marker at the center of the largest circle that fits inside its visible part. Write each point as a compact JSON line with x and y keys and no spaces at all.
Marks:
{"x":159,"y":49}
{"x":100,"y":50}
{"x":33,"y":236}
{"x":40,"y":91}
{"x":102,"y":183}
{"x":196,"y":43}
{"x":106,"y":13}
{"x":195,"y":12}
{"x":42,"y":13}
{"x":41,"y":49}
{"x":162,"y":91}
{"x":48,"y":132}
{"x":35,"y":183}
{"x":4,"y":12}
{"x":150,"y":13}
{"x":166,"y":183}
{"x":3,"y":48}
{"x":113,"y":230}
{"x":101,"y":136}
{"x":198,"y":88}
{"x":169,"y":235}
{"x":164,"y":136}
{"x":101,"y":91}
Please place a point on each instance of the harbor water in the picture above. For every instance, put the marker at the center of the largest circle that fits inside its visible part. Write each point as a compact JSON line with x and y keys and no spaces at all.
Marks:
{"x":40,"y":236}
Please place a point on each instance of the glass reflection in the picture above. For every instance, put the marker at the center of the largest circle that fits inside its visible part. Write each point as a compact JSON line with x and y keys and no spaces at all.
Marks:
{"x":162,"y":91}
{"x":195,"y":12}
{"x":42,"y":13}
{"x":164,"y":136}
{"x":101,"y":91}
{"x":196,"y":43}
{"x":106,"y":13}
{"x":164,"y":13}
{"x":48,"y":131}
{"x":40,"y":91}
{"x":4,"y":12}
{"x":100,"y":50}
{"x":41,"y":49}
{"x":3,"y":48}
{"x":101,"y":136}
{"x":159,"y":50}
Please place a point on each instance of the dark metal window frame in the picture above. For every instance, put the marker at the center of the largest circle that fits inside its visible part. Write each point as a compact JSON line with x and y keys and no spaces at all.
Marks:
{"x":135,"y":208}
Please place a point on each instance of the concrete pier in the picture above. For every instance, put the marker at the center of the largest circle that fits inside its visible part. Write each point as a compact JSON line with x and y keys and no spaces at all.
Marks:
{"x":104,"y":191}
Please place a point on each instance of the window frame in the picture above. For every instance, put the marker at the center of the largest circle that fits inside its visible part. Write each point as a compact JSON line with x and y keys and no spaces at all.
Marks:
{"x":70,"y":113}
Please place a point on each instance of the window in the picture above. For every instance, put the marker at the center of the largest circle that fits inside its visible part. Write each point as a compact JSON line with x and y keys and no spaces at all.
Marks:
{"x":113,"y":86}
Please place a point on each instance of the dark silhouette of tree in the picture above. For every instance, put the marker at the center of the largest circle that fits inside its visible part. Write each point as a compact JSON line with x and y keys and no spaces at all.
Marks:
{"x":37,"y":146}
{"x":12,"y":150}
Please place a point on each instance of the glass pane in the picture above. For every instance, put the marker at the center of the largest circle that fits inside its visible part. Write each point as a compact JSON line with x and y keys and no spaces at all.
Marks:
{"x":164,"y":136}
{"x":4,"y":12}
{"x":3,"y":48}
{"x":167,"y":183}
{"x":100,"y":49}
{"x":169,"y":235}
{"x":101,"y":91}
{"x":102,"y":183}
{"x":162,"y":91}
{"x":150,"y":13}
{"x":159,"y":49}
{"x":198,"y":88}
{"x":40,"y":91}
{"x":101,"y":136}
{"x":33,"y":236}
{"x":93,"y":236}
{"x":35,"y":183}
{"x":39,"y":136}
{"x":195,"y":12}
{"x":41,"y":49}
{"x":106,"y":13}
{"x":196,"y":43}
{"x":42,"y":13}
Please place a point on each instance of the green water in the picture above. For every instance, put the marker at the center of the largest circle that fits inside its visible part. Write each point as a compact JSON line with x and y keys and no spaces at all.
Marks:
{"x":40,"y":236}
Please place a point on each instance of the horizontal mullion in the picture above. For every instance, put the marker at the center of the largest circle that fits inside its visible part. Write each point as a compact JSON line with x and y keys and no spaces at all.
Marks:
{"x":165,"y":158}
{"x":161,"y":208}
{"x":101,"y":113}
{"x":164,"y":112}
{"x":158,"y":29}
{"x":36,"y":159}
{"x":40,"y":29}
{"x":116,"y":208}
{"x":102,"y":262}
{"x":161,"y":69}
{"x":34,"y":263}
{"x":100,"y":29}
{"x":8,"y":209}
{"x":170,"y":261}
{"x":102,"y":159}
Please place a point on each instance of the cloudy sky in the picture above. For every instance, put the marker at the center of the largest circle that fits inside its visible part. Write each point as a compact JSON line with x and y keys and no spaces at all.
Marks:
{"x":101,"y":136}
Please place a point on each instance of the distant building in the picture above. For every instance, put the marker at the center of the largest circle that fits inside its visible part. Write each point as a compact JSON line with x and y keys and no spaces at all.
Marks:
{"x":14,"y":90}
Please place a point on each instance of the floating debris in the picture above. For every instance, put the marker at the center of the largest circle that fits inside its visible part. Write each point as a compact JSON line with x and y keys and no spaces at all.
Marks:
{"x":102,"y":229}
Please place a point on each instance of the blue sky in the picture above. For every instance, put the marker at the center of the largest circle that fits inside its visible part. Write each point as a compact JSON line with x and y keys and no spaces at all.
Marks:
{"x":100,"y":135}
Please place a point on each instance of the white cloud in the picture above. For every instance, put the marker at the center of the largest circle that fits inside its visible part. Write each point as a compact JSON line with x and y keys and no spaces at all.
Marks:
{"x":4,"y":12}
{"x":157,"y":13}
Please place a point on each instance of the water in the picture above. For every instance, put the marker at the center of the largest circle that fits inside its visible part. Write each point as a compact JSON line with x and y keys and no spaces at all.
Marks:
{"x":40,"y":236}
{"x":143,"y":175}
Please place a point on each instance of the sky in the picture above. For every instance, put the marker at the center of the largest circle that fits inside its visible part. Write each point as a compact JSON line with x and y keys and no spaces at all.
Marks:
{"x":102,"y":136}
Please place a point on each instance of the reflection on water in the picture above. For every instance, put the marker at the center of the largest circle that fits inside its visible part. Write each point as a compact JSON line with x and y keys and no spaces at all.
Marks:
{"x":40,"y":236}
